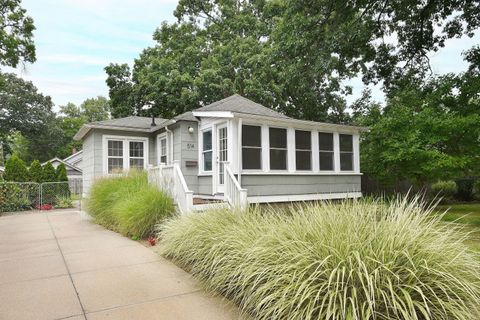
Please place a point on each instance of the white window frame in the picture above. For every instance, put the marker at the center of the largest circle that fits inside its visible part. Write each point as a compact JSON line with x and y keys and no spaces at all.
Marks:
{"x":126,"y":151}
{"x":202,"y":152}
{"x":352,"y":152}
{"x":332,"y":151}
{"x":264,"y":149}
{"x":160,"y":137}
{"x":275,"y":148}
{"x":304,"y":150}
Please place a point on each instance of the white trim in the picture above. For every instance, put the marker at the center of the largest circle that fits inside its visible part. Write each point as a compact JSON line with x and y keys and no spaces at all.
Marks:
{"x":301,"y":173}
{"x":126,"y":151}
{"x":265,"y":142}
{"x":303,"y":197}
{"x":160,"y":137}
{"x":301,"y":124}
{"x":202,"y":172}
{"x":213,"y":114}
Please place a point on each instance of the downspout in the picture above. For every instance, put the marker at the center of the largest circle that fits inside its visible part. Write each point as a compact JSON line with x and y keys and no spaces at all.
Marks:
{"x":239,"y":151}
{"x":171,"y":140}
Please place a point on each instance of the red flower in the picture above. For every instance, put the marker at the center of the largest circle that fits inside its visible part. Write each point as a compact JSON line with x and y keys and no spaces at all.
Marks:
{"x":152,"y":240}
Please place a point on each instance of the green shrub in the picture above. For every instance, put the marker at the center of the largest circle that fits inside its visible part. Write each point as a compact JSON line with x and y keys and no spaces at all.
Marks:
{"x":465,"y":189}
{"x":14,"y":198}
{"x":49,"y":174}
{"x":15,"y":170}
{"x":61,"y":173}
{"x":63,"y":202}
{"x":445,"y":189}
{"x":35,"y":172}
{"x":353,"y":260}
{"x":128,"y":204}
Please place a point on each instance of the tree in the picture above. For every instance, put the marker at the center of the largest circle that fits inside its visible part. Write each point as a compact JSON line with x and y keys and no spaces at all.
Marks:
{"x":23,"y":109}
{"x":120,"y":90}
{"x":95,"y":109}
{"x":427,"y":131}
{"x":15,"y":170}
{"x":61,"y":173}
{"x":16,"y":34}
{"x":35,"y":172}
{"x":49,"y":174}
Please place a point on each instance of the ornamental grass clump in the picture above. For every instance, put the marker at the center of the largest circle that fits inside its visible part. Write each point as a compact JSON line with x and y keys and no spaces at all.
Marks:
{"x":350,"y":260}
{"x":128,"y":204}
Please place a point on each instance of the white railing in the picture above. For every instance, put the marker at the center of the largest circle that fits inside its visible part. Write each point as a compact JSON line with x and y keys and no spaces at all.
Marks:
{"x":234,"y":194}
{"x":169,"y":178}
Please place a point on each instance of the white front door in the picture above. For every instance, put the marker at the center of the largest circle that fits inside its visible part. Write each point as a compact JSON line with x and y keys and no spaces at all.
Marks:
{"x":222,"y":156}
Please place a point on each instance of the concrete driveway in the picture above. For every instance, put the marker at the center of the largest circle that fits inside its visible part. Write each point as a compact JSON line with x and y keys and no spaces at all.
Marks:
{"x":56,"y":265}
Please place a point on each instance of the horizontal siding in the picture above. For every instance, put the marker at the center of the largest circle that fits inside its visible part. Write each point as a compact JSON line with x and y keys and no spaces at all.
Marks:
{"x":267,"y":185}
{"x":205,"y":185}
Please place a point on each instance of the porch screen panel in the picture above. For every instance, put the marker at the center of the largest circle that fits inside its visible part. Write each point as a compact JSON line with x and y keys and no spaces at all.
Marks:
{"x":325,"y":147}
{"x":303,"y":150}
{"x":207,"y":150}
{"x":346,"y":152}
{"x":136,"y":155}
{"x":251,"y":147}
{"x":278,"y":148}
{"x":115,"y":156}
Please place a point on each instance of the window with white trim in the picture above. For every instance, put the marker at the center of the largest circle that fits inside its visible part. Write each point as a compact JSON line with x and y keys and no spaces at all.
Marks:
{"x":325,"y":148}
{"x":136,"y":155}
{"x":346,"y":152}
{"x":124,"y":154}
{"x":115,"y":156}
{"x":163,"y":150}
{"x":207,"y":150}
{"x":251,"y":147}
{"x":303,"y":150}
{"x":278,"y":148}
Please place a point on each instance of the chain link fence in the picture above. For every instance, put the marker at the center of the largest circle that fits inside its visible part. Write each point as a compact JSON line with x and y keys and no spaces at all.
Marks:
{"x":21,"y":196}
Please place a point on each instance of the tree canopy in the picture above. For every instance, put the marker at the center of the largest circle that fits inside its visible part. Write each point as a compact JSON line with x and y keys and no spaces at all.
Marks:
{"x":290,"y":55}
{"x":427,"y":130}
{"x":16,"y":34}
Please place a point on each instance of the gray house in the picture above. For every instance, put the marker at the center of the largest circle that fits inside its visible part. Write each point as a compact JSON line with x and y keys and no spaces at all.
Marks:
{"x":233,"y":150}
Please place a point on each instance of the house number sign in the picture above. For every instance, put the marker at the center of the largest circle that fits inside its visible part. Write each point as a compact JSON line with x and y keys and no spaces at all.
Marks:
{"x":190,"y":146}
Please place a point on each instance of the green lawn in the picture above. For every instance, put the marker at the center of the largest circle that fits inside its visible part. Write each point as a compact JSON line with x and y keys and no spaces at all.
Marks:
{"x":468,"y":214}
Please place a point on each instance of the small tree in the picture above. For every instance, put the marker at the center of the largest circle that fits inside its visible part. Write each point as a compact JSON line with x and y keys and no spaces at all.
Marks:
{"x":36,"y":172}
{"x":15,"y":170}
{"x":61,"y":173}
{"x":49,"y":174}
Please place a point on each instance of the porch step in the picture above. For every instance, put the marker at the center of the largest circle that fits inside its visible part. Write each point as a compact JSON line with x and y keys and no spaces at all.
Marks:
{"x":208,"y":206}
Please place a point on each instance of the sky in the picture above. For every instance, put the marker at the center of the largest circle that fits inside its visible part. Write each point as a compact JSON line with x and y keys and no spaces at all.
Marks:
{"x":76,"y":39}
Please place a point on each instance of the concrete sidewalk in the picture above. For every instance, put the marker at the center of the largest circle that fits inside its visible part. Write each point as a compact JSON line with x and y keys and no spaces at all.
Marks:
{"x":57,"y":266}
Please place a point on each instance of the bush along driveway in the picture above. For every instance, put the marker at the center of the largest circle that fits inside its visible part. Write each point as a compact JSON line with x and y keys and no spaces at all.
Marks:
{"x":54,"y":265}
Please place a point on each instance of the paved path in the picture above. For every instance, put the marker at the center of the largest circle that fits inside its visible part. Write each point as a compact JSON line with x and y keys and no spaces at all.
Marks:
{"x":57,"y":266}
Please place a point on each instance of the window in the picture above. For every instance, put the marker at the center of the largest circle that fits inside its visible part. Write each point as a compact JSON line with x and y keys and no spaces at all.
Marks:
{"x":346,"y":152}
{"x":303,"y":150}
{"x":325,"y":147}
{"x":251,"y":147}
{"x":207,"y":150}
{"x":115,"y":156}
{"x":163,"y":150}
{"x":124,"y":154}
{"x":137,"y":159}
{"x":278,"y":149}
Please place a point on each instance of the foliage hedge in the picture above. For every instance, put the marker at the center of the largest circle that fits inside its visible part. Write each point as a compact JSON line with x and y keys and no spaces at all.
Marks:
{"x":354,"y":260}
{"x":445,"y":189}
{"x":128,"y":204}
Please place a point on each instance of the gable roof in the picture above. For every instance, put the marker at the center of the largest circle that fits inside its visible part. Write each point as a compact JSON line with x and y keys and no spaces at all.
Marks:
{"x":234,"y":104}
{"x":239,"y":104}
{"x":132,"y":123}
{"x":77,"y":155}
{"x":68,"y":165}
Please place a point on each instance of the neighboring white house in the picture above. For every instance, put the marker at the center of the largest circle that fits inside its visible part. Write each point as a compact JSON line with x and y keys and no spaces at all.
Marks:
{"x":75,"y":159}
{"x":73,"y":172}
{"x":231,"y":148}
